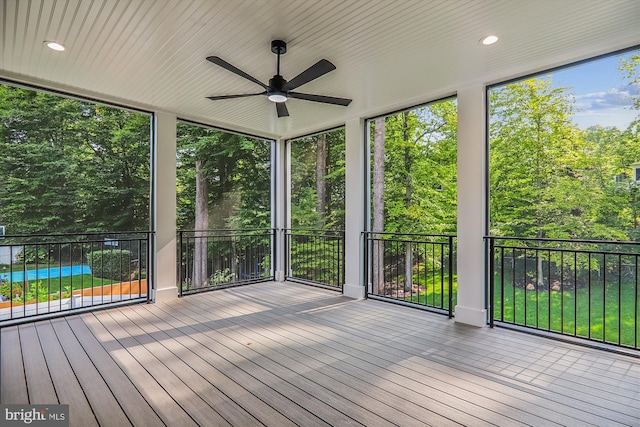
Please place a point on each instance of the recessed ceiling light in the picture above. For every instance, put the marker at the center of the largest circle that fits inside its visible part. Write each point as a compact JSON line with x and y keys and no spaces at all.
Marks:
{"x":55,"y":46}
{"x":489,"y":40}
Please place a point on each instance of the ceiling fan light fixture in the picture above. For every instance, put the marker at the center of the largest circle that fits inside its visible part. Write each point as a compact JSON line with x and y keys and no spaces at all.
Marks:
{"x":54,"y":45}
{"x":277,"y":97}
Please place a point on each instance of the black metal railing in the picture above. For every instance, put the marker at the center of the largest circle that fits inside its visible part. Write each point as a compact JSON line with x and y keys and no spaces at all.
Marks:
{"x":53,"y":274}
{"x":414,"y":269}
{"x":586,"y":289}
{"x":215,"y":259}
{"x":315,"y":257}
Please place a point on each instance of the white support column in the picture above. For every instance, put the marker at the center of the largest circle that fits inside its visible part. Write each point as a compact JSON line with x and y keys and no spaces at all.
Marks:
{"x":280,"y":207}
{"x":471,"y":206}
{"x":164,"y":213}
{"x":354,"y":208}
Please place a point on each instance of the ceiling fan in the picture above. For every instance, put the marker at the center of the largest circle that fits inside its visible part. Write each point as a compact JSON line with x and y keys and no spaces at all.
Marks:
{"x":279,"y":90}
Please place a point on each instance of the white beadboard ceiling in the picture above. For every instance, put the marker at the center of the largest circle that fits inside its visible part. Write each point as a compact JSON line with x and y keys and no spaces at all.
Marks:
{"x":151,"y":54}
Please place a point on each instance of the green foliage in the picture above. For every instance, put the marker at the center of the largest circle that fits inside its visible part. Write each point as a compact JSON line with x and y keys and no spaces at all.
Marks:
{"x":71,"y":166}
{"x":307,"y":211}
{"x":37,"y":291}
{"x":238,"y":173}
{"x":10,"y":290}
{"x":114,"y":264}
{"x":220,"y":277}
{"x":317,"y":258}
{"x":420,"y":188}
{"x":31,"y":254}
{"x":52,"y":287}
{"x":585,"y":312}
{"x":433,"y":291}
{"x":630,"y":68}
{"x":550,"y":179}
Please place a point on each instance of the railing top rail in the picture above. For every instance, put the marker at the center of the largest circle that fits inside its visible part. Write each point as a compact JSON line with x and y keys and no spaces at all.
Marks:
{"x":387,"y":233}
{"x":88,"y":233}
{"x":226,"y":230}
{"x":545,"y":239}
{"x":320,"y":230}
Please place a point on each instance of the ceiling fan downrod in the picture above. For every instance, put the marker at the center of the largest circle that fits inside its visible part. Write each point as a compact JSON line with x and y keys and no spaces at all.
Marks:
{"x":276,"y":84}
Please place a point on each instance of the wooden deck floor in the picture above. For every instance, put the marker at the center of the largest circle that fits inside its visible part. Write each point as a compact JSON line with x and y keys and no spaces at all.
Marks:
{"x":284,"y":354}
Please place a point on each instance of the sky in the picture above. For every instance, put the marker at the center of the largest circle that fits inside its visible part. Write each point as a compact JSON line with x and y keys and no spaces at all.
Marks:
{"x":603,"y":96}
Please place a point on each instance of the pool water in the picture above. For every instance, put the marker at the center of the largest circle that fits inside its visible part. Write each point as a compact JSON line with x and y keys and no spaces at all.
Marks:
{"x":44,"y":273}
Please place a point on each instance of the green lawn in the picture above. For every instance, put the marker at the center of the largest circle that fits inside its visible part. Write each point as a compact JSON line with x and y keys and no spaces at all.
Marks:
{"x":584,"y":314}
{"x":608,"y":314}
{"x":54,"y":285}
{"x":436,"y":293}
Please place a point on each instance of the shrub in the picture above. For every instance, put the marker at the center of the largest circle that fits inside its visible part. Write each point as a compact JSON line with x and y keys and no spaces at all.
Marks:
{"x":10,"y":290}
{"x":114,"y":264}
{"x":30,"y":254}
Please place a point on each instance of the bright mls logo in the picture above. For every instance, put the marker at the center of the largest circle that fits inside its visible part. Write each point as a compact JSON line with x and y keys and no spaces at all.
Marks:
{"x":36,"y":415}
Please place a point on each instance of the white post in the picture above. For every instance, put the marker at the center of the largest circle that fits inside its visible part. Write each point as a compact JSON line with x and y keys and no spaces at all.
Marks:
{"x":355,"y":204}
{"x":280,"y":202}
{"x":164,"y":209}
{"x":471,"y":206}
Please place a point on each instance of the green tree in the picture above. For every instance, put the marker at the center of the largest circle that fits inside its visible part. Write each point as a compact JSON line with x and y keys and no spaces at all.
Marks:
{"x":317,"y":181}
{"x":71,"y":166}
{"x":539,"y":159}
{"x":223,"y":181}
{"x":421,"y":169}
{"x":114,"y":168}
{"x":414,"y":178}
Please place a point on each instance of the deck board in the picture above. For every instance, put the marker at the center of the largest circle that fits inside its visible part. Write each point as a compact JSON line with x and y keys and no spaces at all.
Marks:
{"x":175,"y":376}
{"x":65,"y":382}
{"x":262,"y":386}
{"x":130,"y":399}
{"x":320,"y":402}
{"x":150,"y":387}
{"x":374,"y":367}
{"x":38,"y":379}
{"x":386,"y":388}
{"x":282,"y":354}
{"x":102,"y":400}
{"x":376,"y":399}
{"x":13,"y":387}
{"x":205,"y":375}
{"x":577,"y":406}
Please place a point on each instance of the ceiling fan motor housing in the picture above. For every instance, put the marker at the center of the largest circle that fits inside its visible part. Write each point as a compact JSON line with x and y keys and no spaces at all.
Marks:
{"x":276,"y":84}
{"x":278,"y":47}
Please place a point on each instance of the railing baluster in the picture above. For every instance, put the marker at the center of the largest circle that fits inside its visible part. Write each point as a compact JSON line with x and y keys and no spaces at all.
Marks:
{"x":432,"y":254}
{"x":601,"y":306}
{"x":450,"y":245}
{"x":492,"y":280}
{"x":50,"y":264}
{"x":234,"y":257}
{"x":619,"y":298}
{"x":636,"y":330}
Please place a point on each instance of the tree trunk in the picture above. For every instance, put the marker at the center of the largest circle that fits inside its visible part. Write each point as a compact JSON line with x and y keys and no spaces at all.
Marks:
{"x":378,"y":205}
{"x":408,"y":187}
{"x":201,"y":223}
{"x":321,"y":172}
{"x":408,"y":267}
{"x":539,"y":282}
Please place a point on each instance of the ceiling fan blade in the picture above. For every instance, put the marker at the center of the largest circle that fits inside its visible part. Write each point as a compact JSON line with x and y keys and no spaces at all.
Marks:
{"x":224,"y":64}
{"x":320,"y":98}
{"x":318,"y":69}
{"x":281,"y":108}
{"x":214,"y":98}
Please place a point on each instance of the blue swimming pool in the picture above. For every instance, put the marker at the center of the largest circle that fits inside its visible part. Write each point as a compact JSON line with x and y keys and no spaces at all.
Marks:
{"x":44,"y":273}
